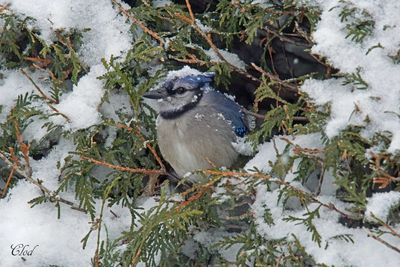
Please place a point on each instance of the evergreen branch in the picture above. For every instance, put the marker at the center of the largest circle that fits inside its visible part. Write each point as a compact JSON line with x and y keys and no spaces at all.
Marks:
{"x":263,"y":176}
{"x":263,"y":117}
{"x":47,"y":99}
{"x":387,"y":226}
{"x":121,"y":168}
{"x":139,"y":23}
{"x":42,"y":94}
{"x":148,"y":145}
{"x":53,"y":197}
{"x":210,"y":42}
{"x":26,"y":171}
{"x":289,"y":87}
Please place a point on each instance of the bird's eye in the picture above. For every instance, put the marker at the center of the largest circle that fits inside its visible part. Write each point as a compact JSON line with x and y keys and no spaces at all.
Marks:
{"x":180,"y":90}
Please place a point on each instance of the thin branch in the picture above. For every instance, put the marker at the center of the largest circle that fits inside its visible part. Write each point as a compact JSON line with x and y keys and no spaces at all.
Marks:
{"x":377,"y":238}
{"x":387,"y":226}
{"x":189,"y":7}
{"x":47,"y":99}
{"x":11,"y":175}
{"x":288,"y":86}
{"x":26,"y":172}
{"x":148,"y":145}
{"x":42,"y":94}
{"x":98,"y":224}
{"x":139,"y":23}
{"x":51,"y":195}
{"x":121,"y":168}
{"x":208,"y":39}
{"x":258,"y":175}
{"x":263,"y":117}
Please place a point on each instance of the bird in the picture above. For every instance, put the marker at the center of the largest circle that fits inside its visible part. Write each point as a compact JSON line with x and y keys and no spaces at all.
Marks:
{"x":196,"y":125}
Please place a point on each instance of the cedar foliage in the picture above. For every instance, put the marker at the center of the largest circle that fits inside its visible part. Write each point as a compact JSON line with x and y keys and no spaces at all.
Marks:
{"x":166,"y":228}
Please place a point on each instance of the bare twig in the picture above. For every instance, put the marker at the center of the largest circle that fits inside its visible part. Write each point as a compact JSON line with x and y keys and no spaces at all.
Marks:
{"x":47,"y":99}
{"x":189,"y":7}
{"x":387,"y":226}
{"x":13,"y":168}
{"x":42,"y":94}
{"x":377,"y":238}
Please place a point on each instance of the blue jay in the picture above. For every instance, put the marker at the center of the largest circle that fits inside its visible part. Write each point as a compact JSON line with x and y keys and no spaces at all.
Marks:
{"x":196,"y":125}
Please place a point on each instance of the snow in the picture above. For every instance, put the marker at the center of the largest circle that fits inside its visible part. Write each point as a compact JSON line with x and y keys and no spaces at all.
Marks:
{"x":81,"y":105}
{"x":108,"y":33}
{"x":338,"y":252}
{"x":58,"y":240}
{"x":161,"y":3}
{"x":16,"y":81}
{"x":243,"y":146}
{"x":380,"y":205}
{"x":230,"y":57}
{"x":363,"y":252}
{"x":379,"y":102}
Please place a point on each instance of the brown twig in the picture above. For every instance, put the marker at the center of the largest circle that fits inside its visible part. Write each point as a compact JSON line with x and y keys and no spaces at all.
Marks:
{"x":189,"y":7}
{"x":11,"y":175}
{"x":287,"y":86}
{"x":42,"y":94}
{"x":43,"y":62}
{"x":387,"y":226}
{"x":47,"y":99}
{"x":148,"y":145}
{"x":208,"y":39}
{"x":121,"y":168}
{"x":377,"y":238}
{"x":26,"y":171}
{"x":134,"y":20}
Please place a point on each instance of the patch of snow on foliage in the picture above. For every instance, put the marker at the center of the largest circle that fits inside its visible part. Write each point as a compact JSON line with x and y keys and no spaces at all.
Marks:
{"x":338,"y":252}
{"x":81,"y":105}
{"x":58,"y":240}
{"x":230,"y":57}
{"x":376,"y":107}
{"x":15,"y":84}
{"x":107,"y":33}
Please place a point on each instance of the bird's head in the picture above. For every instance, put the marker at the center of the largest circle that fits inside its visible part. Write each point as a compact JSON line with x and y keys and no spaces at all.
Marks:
{"x":178,"y":95}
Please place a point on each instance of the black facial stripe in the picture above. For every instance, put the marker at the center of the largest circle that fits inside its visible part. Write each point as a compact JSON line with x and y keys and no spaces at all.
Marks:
{"x":172,"y":114}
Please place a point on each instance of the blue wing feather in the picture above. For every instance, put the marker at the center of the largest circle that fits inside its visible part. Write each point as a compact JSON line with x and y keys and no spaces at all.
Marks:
{"x":230,"y":110}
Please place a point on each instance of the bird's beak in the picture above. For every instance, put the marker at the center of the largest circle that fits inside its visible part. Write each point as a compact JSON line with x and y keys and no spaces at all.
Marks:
{"x":155,"y":94}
